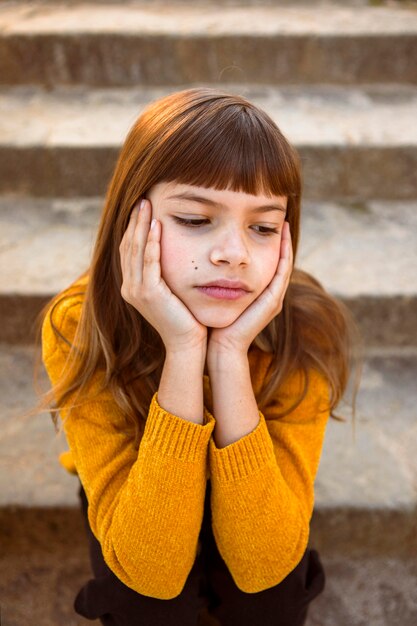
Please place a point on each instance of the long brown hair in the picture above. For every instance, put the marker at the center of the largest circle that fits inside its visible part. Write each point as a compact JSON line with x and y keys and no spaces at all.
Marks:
{"x":208,"y":138}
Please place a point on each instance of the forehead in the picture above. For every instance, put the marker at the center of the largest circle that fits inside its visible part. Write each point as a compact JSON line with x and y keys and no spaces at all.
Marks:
{"x":175,"y":192}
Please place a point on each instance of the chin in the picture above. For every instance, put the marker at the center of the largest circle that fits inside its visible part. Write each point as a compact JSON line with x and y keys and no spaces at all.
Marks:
{"x":216,"y":320}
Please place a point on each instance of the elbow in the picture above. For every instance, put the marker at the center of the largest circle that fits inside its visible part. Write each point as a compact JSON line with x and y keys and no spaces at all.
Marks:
{"x":162,"y":585}
{"x":256,"y":574}
{"x":151,"y":565}
{"x":161,"y":580}
{"x":158,"y":588}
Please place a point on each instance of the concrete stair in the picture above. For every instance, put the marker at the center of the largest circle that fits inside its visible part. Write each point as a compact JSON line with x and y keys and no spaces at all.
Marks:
{"x":51,"y":241}
{"x":339,"y":78}
{"x":364,"y":524}
{"x":65,"y":142}
{"x":172,"y":44}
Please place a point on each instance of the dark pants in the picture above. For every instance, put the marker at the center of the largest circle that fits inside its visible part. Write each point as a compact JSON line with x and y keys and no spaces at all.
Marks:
{"x":209,"y":585}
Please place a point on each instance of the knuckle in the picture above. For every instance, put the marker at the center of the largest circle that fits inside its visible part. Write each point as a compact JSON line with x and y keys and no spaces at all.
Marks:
{"x":148,"y":257}
{"x":146,"y":296}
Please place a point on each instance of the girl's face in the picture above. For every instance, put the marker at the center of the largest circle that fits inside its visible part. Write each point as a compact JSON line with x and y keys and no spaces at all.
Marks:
{"x":210,"y":235}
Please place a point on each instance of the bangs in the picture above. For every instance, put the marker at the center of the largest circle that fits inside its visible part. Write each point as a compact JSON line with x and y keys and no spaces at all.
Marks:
{"x":230,"y":146}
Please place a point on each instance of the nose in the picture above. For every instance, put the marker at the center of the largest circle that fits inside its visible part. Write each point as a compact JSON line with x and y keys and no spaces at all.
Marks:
{"x":230,"y":248}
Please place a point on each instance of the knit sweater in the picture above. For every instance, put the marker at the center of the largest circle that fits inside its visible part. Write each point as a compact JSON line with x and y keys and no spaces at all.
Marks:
{"x":145,"y":506}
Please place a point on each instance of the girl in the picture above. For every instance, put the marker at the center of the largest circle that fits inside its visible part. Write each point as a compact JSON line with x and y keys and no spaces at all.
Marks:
{"x":194,"y":370}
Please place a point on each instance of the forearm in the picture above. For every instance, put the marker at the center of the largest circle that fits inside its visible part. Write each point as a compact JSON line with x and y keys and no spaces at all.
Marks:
{"x":260,"y":527}
{"x":234,"y":403}
{"x":181,"y":386}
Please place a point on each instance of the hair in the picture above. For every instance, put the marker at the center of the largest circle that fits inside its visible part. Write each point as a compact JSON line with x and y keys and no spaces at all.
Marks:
{"x":208,"y":138}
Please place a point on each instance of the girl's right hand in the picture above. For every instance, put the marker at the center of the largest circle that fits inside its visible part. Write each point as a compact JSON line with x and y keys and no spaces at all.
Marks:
{"x":144,"y":288}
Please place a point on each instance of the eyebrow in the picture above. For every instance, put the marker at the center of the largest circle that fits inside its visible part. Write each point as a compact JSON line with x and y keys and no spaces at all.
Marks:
{"x":202,"y":200}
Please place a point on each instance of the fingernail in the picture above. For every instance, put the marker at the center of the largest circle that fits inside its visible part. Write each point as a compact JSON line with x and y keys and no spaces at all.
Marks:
{"x":153,"y":223}
{"x":142,"y":203}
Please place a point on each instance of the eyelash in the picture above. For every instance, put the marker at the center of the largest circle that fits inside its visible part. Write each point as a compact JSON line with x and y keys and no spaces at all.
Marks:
{"x":192,"y":224}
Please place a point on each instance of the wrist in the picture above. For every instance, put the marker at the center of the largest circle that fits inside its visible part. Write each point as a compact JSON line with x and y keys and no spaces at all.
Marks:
{"x":184,"y":357}
{"x":223,"y":346}
{"x":193,"y":346}
{"x":182,"y":379}
{"x":220,"y":359}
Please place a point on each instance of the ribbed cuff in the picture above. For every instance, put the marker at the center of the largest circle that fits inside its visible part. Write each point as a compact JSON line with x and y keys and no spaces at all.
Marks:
{"x":175,"y":436}
{"x":243,"y":457}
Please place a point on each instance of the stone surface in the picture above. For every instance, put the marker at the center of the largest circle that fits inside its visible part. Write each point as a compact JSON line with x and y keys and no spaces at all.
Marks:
{"x":357,"y":144}
{"x":48,"y":566}
{"x":241,"y":3}
{"x":190,"y":19}
{"x":66,"y":142}
{"x":358,"y":592}
{"x":45,"y":244}
{"x":373,"y":115}
{"x":133,"y":44}
{"x":30,"y":474}
{"x":369,"y":558}
{"x":362,"y":253}
{"x":372,"y":475}
{"x":39,"y":585}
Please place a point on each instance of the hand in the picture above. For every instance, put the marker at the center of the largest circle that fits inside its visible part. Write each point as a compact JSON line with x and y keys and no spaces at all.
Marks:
{"x":238,"y":336}
{"x":145,"y":289}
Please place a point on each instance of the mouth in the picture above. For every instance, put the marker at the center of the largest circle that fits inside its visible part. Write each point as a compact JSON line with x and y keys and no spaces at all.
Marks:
{"x":222,"y":293}
{"x":224,"y":283}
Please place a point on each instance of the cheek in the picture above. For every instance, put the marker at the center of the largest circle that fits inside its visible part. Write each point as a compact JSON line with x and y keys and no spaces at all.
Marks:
{"x":169,"y":259}
{"x":175,"y":260}
{"x":268,"y":264}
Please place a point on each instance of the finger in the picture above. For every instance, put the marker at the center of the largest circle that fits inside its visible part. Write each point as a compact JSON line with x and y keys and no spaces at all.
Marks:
{"x":152,"y":257}
{"x":280,"y":281}
{"x":286,"y":255}
{"x":125,"y":244}
{"x":138,"y":244}
{"x":289,"y":240}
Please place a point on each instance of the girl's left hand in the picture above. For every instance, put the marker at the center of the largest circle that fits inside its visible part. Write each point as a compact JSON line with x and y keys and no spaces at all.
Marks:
{"x":238,"y":336}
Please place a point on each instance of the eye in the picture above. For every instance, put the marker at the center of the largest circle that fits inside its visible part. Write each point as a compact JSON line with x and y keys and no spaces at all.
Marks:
{"x":266,"y":231}
{"x":195,"y":223}
{"x":189,"y":221}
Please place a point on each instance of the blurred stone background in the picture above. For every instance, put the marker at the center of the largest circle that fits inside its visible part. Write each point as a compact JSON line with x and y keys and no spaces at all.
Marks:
{"x":339,"y":78}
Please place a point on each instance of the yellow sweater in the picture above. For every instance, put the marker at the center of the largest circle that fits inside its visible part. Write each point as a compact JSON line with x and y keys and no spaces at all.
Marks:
{"x":146,"y":506}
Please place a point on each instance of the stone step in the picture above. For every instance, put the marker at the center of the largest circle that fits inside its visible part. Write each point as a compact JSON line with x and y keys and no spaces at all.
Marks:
{"x":232,"y":3}
{"x":366,"y":487}
{"x":364,"y":524}
{"x":362,"y":253}
{"x":66,"y":142}
{"x":172,"y":44}
{"x":371,"y":591}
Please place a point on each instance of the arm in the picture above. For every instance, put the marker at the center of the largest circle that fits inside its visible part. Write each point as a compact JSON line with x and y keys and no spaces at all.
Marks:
{"x":234,"y":403}
{"x":146,"y":505}
{"x":263,"y":481}
{"x":174,"y":385}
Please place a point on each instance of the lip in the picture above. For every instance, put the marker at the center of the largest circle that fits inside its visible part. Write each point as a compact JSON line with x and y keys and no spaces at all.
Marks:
{"x":224,"y":289}
{"x":227,"y":284}
{"x":223,"y":293}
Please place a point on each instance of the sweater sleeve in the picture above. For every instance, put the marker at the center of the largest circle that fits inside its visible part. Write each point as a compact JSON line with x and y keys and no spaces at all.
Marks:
{"x":262,"y":494}
{"x":145,"y":506}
